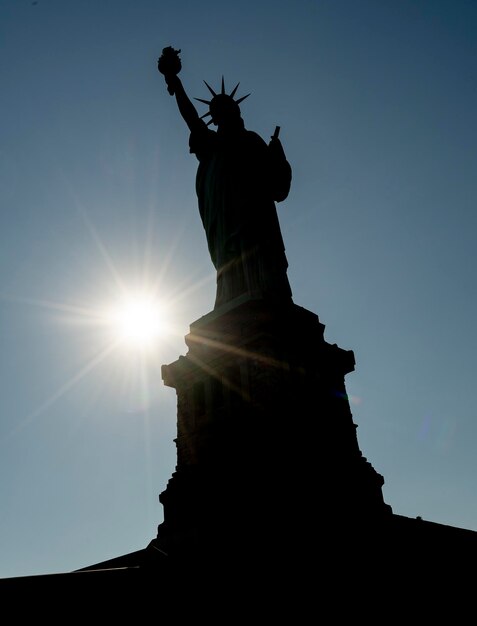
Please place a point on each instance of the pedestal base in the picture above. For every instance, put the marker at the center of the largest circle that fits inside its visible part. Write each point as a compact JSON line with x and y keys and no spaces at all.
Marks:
{"x":267,"y":452}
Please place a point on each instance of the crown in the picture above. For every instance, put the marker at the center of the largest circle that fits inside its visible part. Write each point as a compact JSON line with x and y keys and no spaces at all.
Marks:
{"x":222,"y":96}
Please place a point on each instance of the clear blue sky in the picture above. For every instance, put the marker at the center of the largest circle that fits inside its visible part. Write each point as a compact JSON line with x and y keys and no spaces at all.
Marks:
{"x":377,"y":104}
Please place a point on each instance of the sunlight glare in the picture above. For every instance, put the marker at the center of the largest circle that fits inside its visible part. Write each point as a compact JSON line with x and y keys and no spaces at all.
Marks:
{"x":138,"y":321}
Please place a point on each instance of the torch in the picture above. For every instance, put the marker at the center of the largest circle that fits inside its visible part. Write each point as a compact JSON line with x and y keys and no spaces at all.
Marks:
{"x":170,"y":65}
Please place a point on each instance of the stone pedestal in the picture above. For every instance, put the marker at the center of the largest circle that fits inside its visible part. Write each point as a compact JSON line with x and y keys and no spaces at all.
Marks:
{"x":267,"y":453}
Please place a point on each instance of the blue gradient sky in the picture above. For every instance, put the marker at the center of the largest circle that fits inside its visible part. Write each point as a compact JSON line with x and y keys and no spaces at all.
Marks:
{"x":377,"y":105}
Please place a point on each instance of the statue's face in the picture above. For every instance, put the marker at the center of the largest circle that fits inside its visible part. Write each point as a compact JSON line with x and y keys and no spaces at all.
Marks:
{"x":224,"y":109}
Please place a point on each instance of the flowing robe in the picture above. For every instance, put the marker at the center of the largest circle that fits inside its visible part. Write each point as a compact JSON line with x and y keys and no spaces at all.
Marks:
{"x":238,"y":180}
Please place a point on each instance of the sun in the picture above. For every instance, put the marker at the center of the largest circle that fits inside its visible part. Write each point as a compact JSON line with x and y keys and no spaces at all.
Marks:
{"x":138,"y":321}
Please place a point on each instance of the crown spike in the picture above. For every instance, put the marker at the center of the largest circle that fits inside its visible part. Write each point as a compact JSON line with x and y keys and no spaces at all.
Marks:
{"x":223,"y":87}
{"x":210,"y":88}
{"x":242,"y":99}
{"x":205,"y":115}
{"x":232,"y":94}
{"x":209,"y":122}
{"x":204,"y":101}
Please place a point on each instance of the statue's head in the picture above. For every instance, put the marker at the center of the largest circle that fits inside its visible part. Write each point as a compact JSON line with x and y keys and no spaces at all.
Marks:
{"x":223,"y":109}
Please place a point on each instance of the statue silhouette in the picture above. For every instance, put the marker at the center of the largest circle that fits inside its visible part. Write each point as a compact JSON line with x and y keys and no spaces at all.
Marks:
{"x":239,"y":179}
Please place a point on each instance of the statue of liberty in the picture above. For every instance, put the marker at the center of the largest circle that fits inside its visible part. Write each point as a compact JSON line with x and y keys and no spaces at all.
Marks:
{"x":239,"y":179}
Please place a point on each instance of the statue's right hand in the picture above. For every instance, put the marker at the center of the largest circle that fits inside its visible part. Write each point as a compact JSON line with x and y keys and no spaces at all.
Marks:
{"x":171,"y":82}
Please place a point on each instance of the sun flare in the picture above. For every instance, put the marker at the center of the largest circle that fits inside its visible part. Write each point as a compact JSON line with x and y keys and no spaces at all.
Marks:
{"x":138,"y":321}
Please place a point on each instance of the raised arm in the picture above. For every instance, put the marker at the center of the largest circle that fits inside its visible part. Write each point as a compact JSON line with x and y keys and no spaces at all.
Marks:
{"x":186,"y":108}
{"x":169,"y":65}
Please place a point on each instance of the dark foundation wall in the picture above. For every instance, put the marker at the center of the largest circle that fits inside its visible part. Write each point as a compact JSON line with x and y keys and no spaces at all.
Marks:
{"x":266,"y":444}
{"x":412,"y":570}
